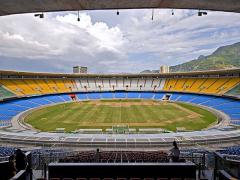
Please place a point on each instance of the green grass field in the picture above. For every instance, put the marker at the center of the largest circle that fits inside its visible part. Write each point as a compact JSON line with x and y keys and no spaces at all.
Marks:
{"x":135,"y":113}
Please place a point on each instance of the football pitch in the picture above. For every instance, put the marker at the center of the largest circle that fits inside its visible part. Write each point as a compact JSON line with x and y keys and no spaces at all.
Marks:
{"x":102,"y":114}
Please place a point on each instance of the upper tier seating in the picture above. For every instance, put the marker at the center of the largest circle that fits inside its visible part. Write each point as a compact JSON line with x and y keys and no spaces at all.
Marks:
{"x":201,"y":85}
{"x":12,"y":86}
{"x":4,"y":93}
{"x":26,"y":87}
{"x":234,"y":92}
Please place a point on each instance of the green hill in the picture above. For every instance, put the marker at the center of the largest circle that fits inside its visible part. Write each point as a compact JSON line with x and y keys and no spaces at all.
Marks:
{"x":223,"y":58}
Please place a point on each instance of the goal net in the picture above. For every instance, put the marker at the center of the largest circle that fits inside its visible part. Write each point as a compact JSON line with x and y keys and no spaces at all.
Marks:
{"x":120,"y":129}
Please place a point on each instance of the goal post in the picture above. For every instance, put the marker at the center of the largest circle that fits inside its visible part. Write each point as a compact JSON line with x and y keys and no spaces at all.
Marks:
{"x":120,"y":129}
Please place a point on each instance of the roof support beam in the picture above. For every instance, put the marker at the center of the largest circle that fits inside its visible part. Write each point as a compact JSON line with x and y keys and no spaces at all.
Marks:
{"x":8,"y":7}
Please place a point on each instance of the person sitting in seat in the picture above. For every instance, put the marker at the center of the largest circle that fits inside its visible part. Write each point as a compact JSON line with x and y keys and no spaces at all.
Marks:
{"x":175,"y":152}
{"x":12,"y":166}
{"x":21,"y":160}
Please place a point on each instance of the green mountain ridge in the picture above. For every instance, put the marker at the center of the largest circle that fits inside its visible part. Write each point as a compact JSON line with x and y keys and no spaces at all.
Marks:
{"x":224,"y":57}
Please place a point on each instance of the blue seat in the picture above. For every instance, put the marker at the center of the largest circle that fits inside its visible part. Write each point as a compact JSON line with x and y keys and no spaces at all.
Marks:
{"x":13,"y":107}
{"x":107,"y":95}
{"x":234,"y":104}
{"x":8,"y":113}
{"x":232,"y":111}
{"x":121,"y":95}
{"x":235,"y":116}
{"x":174,"y":96}
{"x":146,"y":95}
{"x":159,"y":95}
{"x":4,"y":117}
{"x":39,"y":100}
{"x":186,"y":97}
{"x":234,"y":150}
{"x":82,"y":96}
{"x":201,"y":99}
{"x":54,"y":98}
{"x":65,"y":97}
{"x":235,"y":122}
{"x":6,"y":151}
{"x":94,"y":96}
{"x":229,"y":106}
{"x":25,"y":103}
{"x":217,"y":101}
{"x":133,"y":95}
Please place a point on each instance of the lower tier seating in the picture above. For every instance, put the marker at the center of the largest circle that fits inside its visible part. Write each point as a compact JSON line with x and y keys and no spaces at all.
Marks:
{"x":233,"y":150}
{"x":9,"y":109}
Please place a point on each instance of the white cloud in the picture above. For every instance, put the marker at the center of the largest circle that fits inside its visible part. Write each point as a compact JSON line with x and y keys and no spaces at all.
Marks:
{"x":129,"y":42}
{"x":183,"y":36}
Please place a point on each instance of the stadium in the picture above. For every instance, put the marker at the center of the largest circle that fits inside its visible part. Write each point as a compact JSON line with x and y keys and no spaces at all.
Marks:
{"x":60,"y":119}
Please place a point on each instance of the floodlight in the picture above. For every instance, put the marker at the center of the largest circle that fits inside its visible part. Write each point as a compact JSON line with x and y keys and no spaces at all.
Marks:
{"x":201,"y":13}
{"x":78,"y":19}
{"x":39,"y":15}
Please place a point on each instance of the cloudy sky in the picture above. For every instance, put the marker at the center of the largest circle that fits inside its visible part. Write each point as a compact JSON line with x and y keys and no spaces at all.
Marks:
{"x":107,"y":43}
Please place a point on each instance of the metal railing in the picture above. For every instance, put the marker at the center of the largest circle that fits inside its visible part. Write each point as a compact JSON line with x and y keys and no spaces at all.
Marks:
{"x":222,"y":162}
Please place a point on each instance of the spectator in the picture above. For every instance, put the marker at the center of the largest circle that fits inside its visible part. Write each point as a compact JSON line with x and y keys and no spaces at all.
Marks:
{"x":175,"y":152}
{"x":97,"y":156}
{"x":21,"y":160}
{"x":12,"y":166}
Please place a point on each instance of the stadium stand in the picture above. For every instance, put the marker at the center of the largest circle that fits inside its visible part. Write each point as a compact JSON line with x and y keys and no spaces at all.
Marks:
{"x":229,"y":85}
{"x":52,"y":85}
{"x":207,"y":84}
{"x":44,"y":88}
{"x":234,"y":92}
{"x":147,"y":84}
{"x":152,"y":164}
{"x":36,"y":92}
{"x":107,"y":95}
{"x":6,"y":151}
{"x":120,"y":95}
{"x":180,"y":84}
{"x":61,"y":85}
{"x":33,"y":85}
{"x":147,"y":95}
{"x":233,"y":150}
{"x":4,"y":93}
{"x":28,"y":87}
{"x":24,"y":87}
{"x":202,"y":85}
{"x":188,"y":84}
{"x":118,"y":157}
{"x":133,"y":95}
{"x":11,"y":86}
{"x":71,"y":85}
{"x":231,"y":107}
{"x":94,"y":95}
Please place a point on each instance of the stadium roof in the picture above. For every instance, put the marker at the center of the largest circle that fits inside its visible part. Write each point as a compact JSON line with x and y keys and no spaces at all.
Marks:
{"x":29,"y":6}
{"x":13,"y":74}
